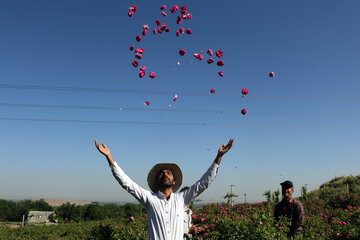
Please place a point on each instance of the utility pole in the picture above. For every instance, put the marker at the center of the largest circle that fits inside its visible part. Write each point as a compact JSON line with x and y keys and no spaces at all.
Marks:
{"x":245,"y":197}
{"x":231,"y":195}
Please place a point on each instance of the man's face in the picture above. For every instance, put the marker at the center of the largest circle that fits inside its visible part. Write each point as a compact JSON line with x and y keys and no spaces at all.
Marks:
{"x":287,"y":192}
{"x":165,"y":179}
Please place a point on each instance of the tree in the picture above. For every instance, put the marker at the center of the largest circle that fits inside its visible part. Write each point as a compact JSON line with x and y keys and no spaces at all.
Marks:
{"x":93,"y":212}
{"x":229,"y":197}
{"x":275,"y":197}
{"x":267,"y":194}
{"x":70,"y":212}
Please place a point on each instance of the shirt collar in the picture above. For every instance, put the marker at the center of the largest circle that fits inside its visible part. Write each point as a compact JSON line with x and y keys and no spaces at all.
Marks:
{"x":162,"y":196}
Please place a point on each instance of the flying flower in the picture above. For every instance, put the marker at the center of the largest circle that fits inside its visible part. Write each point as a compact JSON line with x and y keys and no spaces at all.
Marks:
{"x":167,"y":29}
{"x":182,"y":52}
{"x":141,"y":74}
{"x":144,"y":32}
{"x":163,"y":7}
{"x":138,"y":38}
{"x":244,"y":91}
{"x":175,"y":97}
{"x":219,"y":53}
{"x":146,"y":27}
{"x":147,"y":103}
{"x":188,"y":31}
{"x":243,"y":111}
{"x":210,"y":52}
{"x":189,"y":16}
{"x":143,"y":68}
{"x":154,"y":31}
{"x":271,"y":74}
{"x":131,"y":47}
{"x":164,"y":13}
{"x":138,"y":56}
{"x":178,"y":33}
{"x":210,"y":60}
{"x":130,"y":13}
{"x":212,"y":91}
{"x":152,"y":75}
{"x":158,"y":22}
{"x":183,"y":9}
{"x":220,"y":63}
{"x":182,"y":30}
{"x":221,"y":74}
{"x":135,"y":63}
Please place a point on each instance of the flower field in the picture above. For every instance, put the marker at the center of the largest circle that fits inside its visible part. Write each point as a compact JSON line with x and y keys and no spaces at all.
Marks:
{"x":330,"y":219}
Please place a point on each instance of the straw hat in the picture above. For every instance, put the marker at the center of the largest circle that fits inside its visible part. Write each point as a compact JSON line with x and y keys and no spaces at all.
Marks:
{"x":173,"y":167}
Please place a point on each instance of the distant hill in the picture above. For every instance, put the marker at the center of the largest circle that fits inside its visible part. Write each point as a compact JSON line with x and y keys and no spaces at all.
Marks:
{"x":56,"y":203}
{"x":339,"y":185}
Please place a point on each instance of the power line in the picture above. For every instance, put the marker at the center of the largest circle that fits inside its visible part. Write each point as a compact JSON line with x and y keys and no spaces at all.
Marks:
{"x":204,"y":124}
{"x":169,"y":92}
{"x":113,"y":108}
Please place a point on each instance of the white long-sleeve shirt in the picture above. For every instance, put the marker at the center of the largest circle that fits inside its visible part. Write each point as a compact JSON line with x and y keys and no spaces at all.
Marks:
{"x":165,"y":216}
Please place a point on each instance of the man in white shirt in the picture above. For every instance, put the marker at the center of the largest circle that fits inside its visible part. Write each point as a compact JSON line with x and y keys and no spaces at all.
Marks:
{"x":164,"y":207}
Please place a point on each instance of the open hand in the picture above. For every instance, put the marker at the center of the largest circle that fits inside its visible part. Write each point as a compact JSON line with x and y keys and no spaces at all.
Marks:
{"x":224,"y":148}
{"x":102,"y":149}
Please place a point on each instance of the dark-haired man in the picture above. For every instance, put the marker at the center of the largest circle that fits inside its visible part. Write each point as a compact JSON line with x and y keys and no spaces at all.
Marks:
{"x":164,"y":207}
{"x":290,"y":208}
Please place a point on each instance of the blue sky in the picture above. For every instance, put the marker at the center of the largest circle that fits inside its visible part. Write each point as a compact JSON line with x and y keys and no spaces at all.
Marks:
{"x":302,"y":125}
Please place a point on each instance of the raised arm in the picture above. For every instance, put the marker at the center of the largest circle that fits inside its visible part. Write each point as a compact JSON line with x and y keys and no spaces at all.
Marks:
{"x":105,"y":151}
{"x":125,"y":181}
{"x":204,"y":182}
{"x":222,"y":150}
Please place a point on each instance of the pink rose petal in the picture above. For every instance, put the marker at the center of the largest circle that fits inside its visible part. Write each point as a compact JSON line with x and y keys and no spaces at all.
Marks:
{"x":210,"y":52}
{"x":138,"y":38}
{"x":188,"y":31}
{"x":221,"y":74}
{"x":271,"y":74}
{"x":244,"y":91}
{"x":152,"y":75}
{"x":219,"y":53}
{"x":135,"y":63}
{"x":220,"y":63}
{"x":175,"y":98}
{"x":141,"y":74}
{"x":212,"y":91}
{"x":210,"y":60}
{"x":182,"y":52}
{"x":164,"y":13}
{"x":243,"y":111}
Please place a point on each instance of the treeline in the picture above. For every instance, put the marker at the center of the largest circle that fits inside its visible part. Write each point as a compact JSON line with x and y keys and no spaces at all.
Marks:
{"x":14,"y":211}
